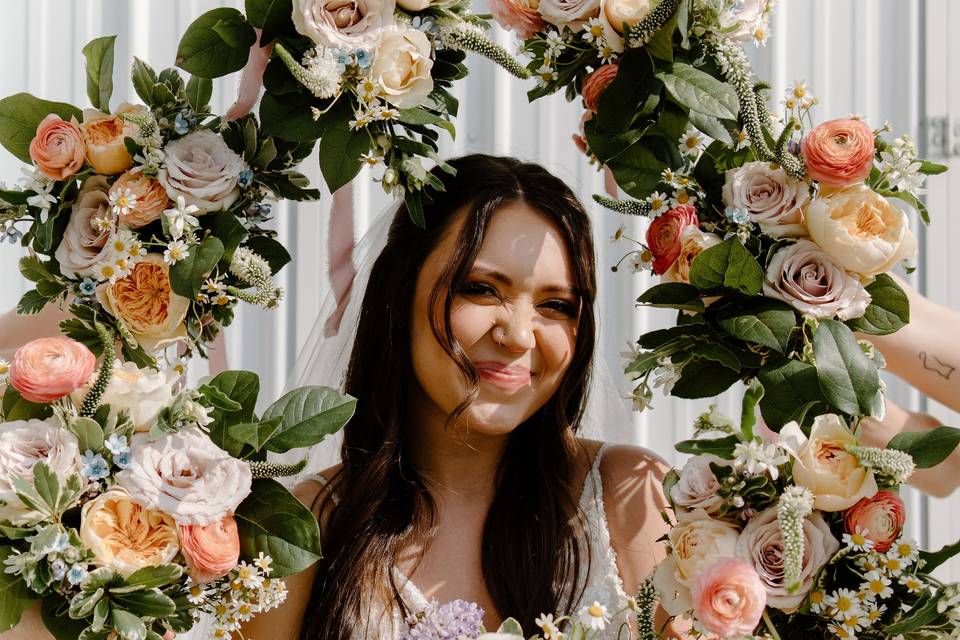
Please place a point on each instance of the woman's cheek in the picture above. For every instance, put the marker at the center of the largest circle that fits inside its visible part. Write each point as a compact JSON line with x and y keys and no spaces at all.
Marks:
{"x":471,"y":321}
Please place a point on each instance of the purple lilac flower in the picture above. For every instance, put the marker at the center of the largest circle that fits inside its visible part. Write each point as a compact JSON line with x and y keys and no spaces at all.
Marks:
{"x":456,"y":619}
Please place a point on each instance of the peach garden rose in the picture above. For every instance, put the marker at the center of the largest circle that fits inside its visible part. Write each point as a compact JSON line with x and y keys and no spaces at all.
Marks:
{"x":151,"y":198}
{"x":126,"y":536}
{"x":103,"y":135}
{"x":57,"y":148}
{"x":47,"y":369}
{"x":146,"y":304}
{"x":839,"y":152}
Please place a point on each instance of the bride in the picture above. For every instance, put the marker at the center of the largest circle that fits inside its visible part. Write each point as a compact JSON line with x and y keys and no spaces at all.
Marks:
{"x":462,"y":475}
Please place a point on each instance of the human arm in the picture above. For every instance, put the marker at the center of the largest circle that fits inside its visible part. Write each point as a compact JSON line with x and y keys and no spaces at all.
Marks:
{"x":17,"y":330}
{"x":633,"y":501}
{"x":939,"y":481}
{"x":926,"y":352}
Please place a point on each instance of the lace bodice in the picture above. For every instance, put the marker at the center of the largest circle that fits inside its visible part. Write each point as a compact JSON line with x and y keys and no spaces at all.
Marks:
{"x":603,"y":583}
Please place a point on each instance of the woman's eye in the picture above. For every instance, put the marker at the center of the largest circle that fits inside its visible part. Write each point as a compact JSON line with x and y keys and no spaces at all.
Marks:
{"x":562,"y":306}
{"x":478,"y":289}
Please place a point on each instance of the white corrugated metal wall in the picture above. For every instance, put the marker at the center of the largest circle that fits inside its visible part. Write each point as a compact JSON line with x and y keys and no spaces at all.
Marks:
{"x":889,"y":59}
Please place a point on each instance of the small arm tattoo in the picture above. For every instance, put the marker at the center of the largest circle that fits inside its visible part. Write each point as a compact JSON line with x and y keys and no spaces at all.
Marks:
{"x":938,"y":366}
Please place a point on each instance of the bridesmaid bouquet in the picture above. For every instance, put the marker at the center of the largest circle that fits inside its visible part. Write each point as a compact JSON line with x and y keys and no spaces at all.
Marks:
{"x":801,"y":536}
{"x":130,"y":506}
{"x":370,"y":79}
{"x":147,"y":217}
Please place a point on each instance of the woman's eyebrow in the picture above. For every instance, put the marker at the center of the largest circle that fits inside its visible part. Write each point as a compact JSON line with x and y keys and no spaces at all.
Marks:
{"x":505,"y":280}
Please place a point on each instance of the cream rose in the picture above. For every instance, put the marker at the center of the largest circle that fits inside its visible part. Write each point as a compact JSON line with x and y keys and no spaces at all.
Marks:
{"x":807,"y":279}
{"x":343,"y":24}
{"x":146,"y":304}
{"x":822,"y":464}
{"x":186,"y":475}
{"x":769,"y":197}
{"x":83,"y":244}
{"x":860,"y":229}
{"x":125,"y":536}
{"x":569,"y":13}
{"x":203,"y":169}
{"x":761,"y":545}
{"x":401,"y":65}
{"x":693,"y":241}
{"x":142,"y":393}
{"x":696,"y":542}
{"x":615,"y":13}
{"x":697,"y":486}
{"x":24,"y":443}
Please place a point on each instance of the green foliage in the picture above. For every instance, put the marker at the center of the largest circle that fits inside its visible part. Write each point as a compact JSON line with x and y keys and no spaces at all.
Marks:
{"x":199,"y":92}
{"x":699,"y":91}
{"x":216,"y":43}
{"x":99,"y":54}
{"x":274,"y":522}
{"x":308,"y":415}
{"x":720,"y":447}
{"x":727,"y":265}
{"x":89,"y":433}
{"x":243,"y":387}
{"x":143,"y":77}
{"x":15,"y":407}
{"x":341,"y":147}
{"x":927,"y":448}
{"x":888,"y":311}
{"x":15,"y":596}
{"x":790,"y":390}
{"x":765,"y":322}
{"x":672,"y":295}
{"x":19,"y":116}
{"x":271,"y":16}
{"x":289,"y":117}
{"x":188,"y":275}
{"x":933,"y":559}
{"x":849,"y":380}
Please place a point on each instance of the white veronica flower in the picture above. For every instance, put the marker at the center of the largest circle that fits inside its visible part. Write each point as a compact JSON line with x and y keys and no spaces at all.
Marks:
{"x":595,"y":616}
{"x":667,"y":375}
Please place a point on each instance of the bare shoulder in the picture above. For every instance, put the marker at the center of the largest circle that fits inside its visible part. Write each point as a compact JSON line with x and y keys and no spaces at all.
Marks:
{"x":313,"y":491}
{"x":633,"y":501}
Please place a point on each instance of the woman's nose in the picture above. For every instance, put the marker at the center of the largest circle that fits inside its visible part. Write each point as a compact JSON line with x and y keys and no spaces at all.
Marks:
{"x":516,"y":330}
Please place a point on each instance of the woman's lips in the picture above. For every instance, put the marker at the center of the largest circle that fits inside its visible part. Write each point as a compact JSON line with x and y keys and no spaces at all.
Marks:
{"x":507,"y":377}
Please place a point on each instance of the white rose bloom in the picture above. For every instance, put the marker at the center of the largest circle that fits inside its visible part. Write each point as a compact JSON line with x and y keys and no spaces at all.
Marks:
{"x":343,"y":24}
{"x":24,"y":443}
{"x":807,"y":279}
{"x":83,"y":245}
{"x":203,"y":169}
{"x":401,"y":65}
{"x":187,"y":476}
{"x":861,"y":230}
{"x":141,"y":392}
{"x":569,"y":13}
{"x":761,"y":545}
{"x":615,"y":13}
{"x":769,"y":197}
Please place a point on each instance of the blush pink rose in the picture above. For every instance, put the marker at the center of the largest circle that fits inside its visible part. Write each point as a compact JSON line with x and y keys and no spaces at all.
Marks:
{"x":879,"y":518}
{"x":728,"y":598}
{"x":47,"y":369}
{"x":519,"y":16}
{"x":663,"y":236}
{"x":211,"y":550}
{"x":57,"y":148}
{"x":596,"y":83}
{"x":839,"y":152}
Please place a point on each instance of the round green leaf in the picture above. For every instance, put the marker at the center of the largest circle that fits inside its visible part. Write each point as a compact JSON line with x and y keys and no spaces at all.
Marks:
{"x":216,"y":43}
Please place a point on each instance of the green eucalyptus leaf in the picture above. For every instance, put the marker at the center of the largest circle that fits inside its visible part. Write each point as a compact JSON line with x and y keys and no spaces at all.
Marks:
{"x":99,"y":54}
{"x":21,"y":113}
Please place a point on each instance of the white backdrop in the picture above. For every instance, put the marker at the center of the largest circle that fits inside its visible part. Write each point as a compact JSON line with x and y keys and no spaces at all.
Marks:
{"x":888,"y":59}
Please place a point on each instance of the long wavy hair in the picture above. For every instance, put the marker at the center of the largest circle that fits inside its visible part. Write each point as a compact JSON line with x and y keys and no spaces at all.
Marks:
{"x":377,"y":503}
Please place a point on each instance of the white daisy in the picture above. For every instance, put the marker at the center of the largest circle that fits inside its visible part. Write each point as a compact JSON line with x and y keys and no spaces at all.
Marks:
{"x":692,"y":142}
{"x":911,"y":582}
{"x":858,"y":540}
{"x":595,"y":616}
{"x":658,"y":203}
{"x":593,"y":31}
{"x":176,"y":251}
{"x":122,"y":201}
{"x":876,"y":585}
{"x":548,"y":627}
{"x":682,"y":197}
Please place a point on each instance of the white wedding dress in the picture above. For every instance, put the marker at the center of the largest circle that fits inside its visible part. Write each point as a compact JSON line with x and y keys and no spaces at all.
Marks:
{"x":602,"y":582}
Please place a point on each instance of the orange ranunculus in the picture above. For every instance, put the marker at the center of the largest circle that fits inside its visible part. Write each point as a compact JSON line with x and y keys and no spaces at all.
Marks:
{"x":839,"y":152}
{"x":151,"y":198}
{"x":57,"y":148}
{"x":47,"y":369}
{"x":211,"y":550}
{"x":126,"y":536}
{"x":146,"y":304}
{"x":879,"y":518}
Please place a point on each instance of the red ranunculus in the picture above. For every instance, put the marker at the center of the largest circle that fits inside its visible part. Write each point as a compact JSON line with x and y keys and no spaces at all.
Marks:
{"x":663,"y":235}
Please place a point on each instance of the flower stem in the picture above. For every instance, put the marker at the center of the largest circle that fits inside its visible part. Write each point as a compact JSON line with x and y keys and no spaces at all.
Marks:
{"x":772,"y":629}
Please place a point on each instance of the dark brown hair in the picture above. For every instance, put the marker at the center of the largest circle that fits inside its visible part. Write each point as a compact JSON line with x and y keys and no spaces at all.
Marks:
{"x":533,"y":535}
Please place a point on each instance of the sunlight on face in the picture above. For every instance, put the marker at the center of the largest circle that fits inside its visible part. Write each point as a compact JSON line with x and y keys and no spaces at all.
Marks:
{"x":515,"y":317}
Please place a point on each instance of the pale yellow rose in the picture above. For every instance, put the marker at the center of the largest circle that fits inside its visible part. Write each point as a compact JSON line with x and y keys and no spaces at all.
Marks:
{"x":695,"y":543}
{"x":693,"y":241}
{"x":126,"y":536}
{"x":103,"y":136}
{"x":401,"y":65}
{"x":860,"y":229}
{"x":615,"y":13}
{"x":146,"y":304}
{"x":822,"y":464}
{"x":142,"y":393}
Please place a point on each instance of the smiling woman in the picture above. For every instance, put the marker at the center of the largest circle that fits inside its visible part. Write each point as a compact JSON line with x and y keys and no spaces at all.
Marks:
{"x":462,"y":476}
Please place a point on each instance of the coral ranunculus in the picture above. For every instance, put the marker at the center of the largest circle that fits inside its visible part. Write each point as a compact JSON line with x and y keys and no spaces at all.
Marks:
{"x":839,"y":152}
{"x":144,"y":301}
{"x":879,"y":518}
{"x":57,"y":148}
{"x":729,"y":598}
{"x":211,"y":550}
{"x":47,"y":369}
{"x":663,"y":235}
{"x":596,"y":83}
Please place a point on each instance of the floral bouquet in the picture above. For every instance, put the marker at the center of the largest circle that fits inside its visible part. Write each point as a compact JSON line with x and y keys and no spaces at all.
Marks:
{"x":801,"y":536}
{"x":146,"y":218}
{"x":130,"y":507}
{"x":370,"y":79}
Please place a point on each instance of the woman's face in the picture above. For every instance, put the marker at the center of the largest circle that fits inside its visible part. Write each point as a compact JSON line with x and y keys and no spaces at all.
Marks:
{"x":516,"y":318}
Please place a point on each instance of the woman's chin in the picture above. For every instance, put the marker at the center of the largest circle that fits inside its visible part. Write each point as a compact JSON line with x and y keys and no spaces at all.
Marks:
{"x":496,"y":418}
